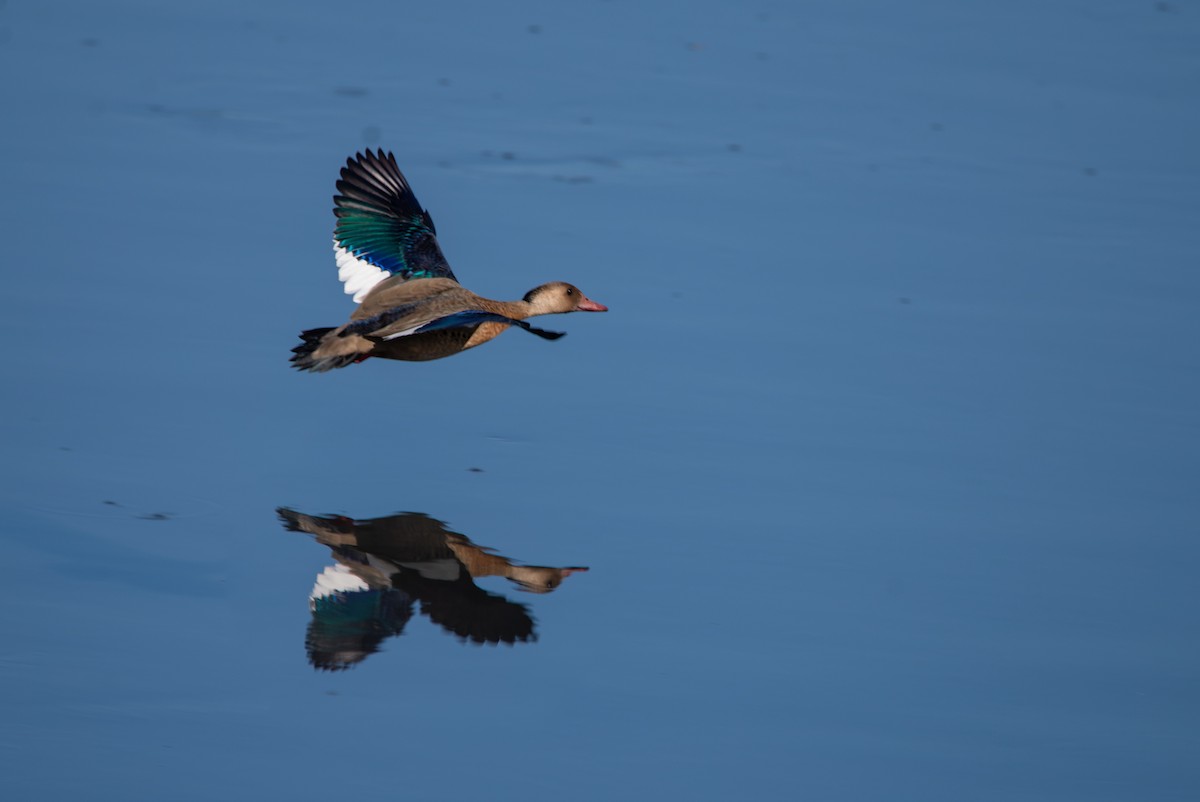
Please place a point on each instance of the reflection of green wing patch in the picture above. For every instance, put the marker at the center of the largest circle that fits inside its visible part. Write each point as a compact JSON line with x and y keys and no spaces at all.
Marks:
{"x":380,"y":222}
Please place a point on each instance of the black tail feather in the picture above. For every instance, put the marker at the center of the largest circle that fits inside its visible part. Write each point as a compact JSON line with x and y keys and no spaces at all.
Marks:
{"x":304,"y":359}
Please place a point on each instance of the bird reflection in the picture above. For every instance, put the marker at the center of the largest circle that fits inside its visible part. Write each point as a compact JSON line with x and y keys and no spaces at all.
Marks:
{"x":384,"y":567}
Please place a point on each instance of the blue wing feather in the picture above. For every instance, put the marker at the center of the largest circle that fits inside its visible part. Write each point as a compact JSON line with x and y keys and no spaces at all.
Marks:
{"x":471,"y":317}
{"x":474,"y":318}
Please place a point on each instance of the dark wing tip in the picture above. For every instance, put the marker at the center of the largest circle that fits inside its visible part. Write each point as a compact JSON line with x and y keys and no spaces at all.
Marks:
{"x":363,"y":157}
{"x":376,"y":181}
{"x":543,"y":333}
{"x":380,"y":220}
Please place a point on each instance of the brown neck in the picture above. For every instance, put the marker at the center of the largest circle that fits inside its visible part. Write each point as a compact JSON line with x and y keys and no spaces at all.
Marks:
{"x":517,"y":310}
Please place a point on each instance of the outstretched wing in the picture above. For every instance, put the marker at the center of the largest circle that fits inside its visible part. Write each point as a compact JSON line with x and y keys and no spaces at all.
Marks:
{"x":381,"y":228}
{"x":474,"y":318}
{"x":399,"y":322}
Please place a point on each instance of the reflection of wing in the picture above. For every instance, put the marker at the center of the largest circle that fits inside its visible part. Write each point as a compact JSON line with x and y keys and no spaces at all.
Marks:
{"x":349,"y":621}
{"x":381,"y":228}
{"x":419,"y":559}
{"x":468,"y":611}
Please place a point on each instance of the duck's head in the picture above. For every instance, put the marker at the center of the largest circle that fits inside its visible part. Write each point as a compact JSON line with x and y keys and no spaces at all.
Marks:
{"x":558,"y":297}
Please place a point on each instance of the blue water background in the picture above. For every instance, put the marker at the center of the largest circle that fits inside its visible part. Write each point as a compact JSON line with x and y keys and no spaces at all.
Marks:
{"x":885,"y":461}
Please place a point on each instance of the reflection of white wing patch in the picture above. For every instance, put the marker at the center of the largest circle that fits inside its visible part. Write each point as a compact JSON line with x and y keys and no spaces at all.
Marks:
{"x":336,"y":579}
{"x":357,"y":276}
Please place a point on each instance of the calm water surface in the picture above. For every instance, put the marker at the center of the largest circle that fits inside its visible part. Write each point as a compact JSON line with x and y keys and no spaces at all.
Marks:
{"x":883,"y":465}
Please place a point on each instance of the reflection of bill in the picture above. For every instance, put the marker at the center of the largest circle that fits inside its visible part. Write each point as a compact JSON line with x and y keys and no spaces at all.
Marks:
{"x":386,"y":566}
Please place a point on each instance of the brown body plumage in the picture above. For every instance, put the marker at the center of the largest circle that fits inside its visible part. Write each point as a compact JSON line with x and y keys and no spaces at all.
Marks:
{"x":400,"y":305}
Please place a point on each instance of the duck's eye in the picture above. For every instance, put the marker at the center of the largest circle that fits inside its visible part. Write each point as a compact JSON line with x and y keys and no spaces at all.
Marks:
{"x":570,"y":291}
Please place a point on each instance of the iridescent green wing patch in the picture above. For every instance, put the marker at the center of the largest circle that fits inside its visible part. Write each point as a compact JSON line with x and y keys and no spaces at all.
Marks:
{"x":381,"y":228}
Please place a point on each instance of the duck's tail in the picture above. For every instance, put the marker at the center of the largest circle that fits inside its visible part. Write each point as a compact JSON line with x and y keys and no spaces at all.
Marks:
{"x":325,"y":349}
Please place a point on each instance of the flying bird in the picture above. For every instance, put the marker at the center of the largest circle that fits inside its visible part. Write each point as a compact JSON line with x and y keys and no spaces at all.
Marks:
{"x":411,"y":306}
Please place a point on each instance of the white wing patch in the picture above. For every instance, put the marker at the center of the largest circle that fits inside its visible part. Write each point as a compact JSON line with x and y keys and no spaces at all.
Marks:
{"x":406,"y":332}
{"x":357,"y":276}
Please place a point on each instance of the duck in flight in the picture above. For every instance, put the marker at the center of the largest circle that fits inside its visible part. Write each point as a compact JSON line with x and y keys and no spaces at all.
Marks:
{"x":411,"y":306}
